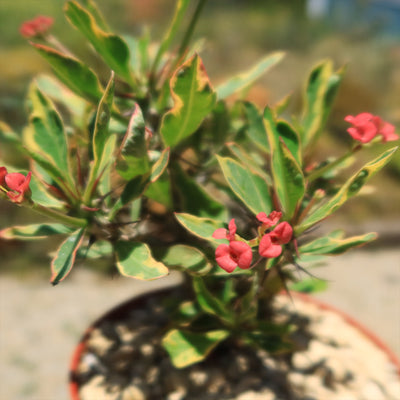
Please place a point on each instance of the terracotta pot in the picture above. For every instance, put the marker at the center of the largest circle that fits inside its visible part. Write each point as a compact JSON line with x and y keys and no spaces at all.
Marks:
{"x":118,"y":312}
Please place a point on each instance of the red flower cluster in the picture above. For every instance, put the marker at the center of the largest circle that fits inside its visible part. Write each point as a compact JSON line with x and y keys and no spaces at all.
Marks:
{"x":36,"y":27}
{"x":239,"y":254}
{"x":17,"y":183}
{"x":229,"y":234}
{"x":270,"y":220}
{"x":232,"y":255}
{"x":271,"y":243}
{"x":367,"y":126}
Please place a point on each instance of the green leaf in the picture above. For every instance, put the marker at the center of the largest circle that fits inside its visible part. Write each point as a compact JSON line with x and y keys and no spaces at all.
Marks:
{"x":194,"y":199}
{"x":193,"y":98}
{"x":276,"y":341}
{"x":210,"y":303}
{"x":290,"y":138}
{"x":309,"y":285}
{"x":321,"y":91}
{"x":287,"y":175}
{"x":46,"y":140}
{"x":112,"y":48}
{"x":201,"y":227}
{"x":250,"y":187}
{"x":186,"y":258}
{"x":99,"y":249}
{"x":101,"y":136}
{"x":132,"y":190}
{"x":33,"y":231}
{"x":186,"y":313}
{"x":134,"y":260}
{"x":348,"y":190}
{"x":41,"y":196}
{"x":160,"y":191}
{"x":186,"y":348}
{"x":335,"y":245}
{"x":104,"y":180}
{"x":219,"y":126}
{"x":133,"y":158}
{"x":255,"y":127}
{"x":53,"y":88}
{"x":93,"y":9}
{"x":158,"y":168}
{"x":64,"y":260}
{"x":251,"y":161}
{"x":282,"y":104}
{"x":247,"y":78}
{"x":73,"y":73}
{"x":180,"y":9}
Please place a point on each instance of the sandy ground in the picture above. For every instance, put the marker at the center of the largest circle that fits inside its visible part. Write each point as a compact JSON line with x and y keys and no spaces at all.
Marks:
{"x":41,"y":324}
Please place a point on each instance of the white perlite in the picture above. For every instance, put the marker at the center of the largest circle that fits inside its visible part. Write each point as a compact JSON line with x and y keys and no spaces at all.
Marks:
{"x":337,"y":362}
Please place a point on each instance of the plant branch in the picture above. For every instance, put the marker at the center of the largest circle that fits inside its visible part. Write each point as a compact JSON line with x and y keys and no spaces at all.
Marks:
{"x":65,"y":219}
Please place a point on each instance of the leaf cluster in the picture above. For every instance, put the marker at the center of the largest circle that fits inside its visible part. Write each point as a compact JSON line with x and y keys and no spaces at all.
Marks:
{"x":143,"y":164}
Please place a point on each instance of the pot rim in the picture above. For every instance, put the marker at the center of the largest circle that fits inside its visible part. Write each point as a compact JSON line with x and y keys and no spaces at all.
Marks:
{"x":120,"y":309}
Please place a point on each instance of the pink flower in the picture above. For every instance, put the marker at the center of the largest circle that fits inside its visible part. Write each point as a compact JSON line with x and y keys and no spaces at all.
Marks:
{"x":269,"y":249}
{"x":270,"y":244}
{"x":367,"y":126}
{"x":19,"y":186}
{"x":282,"y":233}
{"x":36,"y":27}
{"x":3,"y":173}
{"x":222,"y":233}
{"x":232,"y":255}
{"x":271,"y":220}
{"x":387,"y":132}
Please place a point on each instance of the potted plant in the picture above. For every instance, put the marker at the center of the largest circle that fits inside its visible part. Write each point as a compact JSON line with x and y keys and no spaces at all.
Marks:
{"x":151,"y":166}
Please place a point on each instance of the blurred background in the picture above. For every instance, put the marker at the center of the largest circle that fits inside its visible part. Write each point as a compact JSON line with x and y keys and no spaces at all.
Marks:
{"x":364,"y":35}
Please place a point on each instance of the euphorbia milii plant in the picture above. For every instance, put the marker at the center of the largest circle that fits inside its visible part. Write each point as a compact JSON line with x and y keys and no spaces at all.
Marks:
{"x":145,"y":162}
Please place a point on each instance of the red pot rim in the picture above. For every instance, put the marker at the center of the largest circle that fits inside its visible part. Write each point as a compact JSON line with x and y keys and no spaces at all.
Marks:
{"x":120,"y":309}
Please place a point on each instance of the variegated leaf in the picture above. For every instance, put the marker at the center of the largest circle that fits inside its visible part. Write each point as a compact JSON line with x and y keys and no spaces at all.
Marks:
{"x":247,"y":78}
{"x":202,"y":227}
{"x":46,"y":141}
{"x":186,"y":258}
{"x":65,"y":257}
{"x":186,"y":348}
{"x":112,"y":48}
{"x":321,"y":90}
{"x":287,"y":175}
{"x":60,"y":93}
{"x":193,"y":98}
{"x":334,"y":245}
{"x":250,"y":187}
{"x":255,"y":127}
{"x":133,"y":159}
{"x":73,"y":73}
{"x":102,"y":140}
{"x":134,"y":260}
{"x":33,"y":231}
{"x":348,"y":190}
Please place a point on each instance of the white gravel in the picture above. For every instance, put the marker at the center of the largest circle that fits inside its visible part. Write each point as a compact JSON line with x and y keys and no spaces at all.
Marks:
{"x":41,"y":324}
